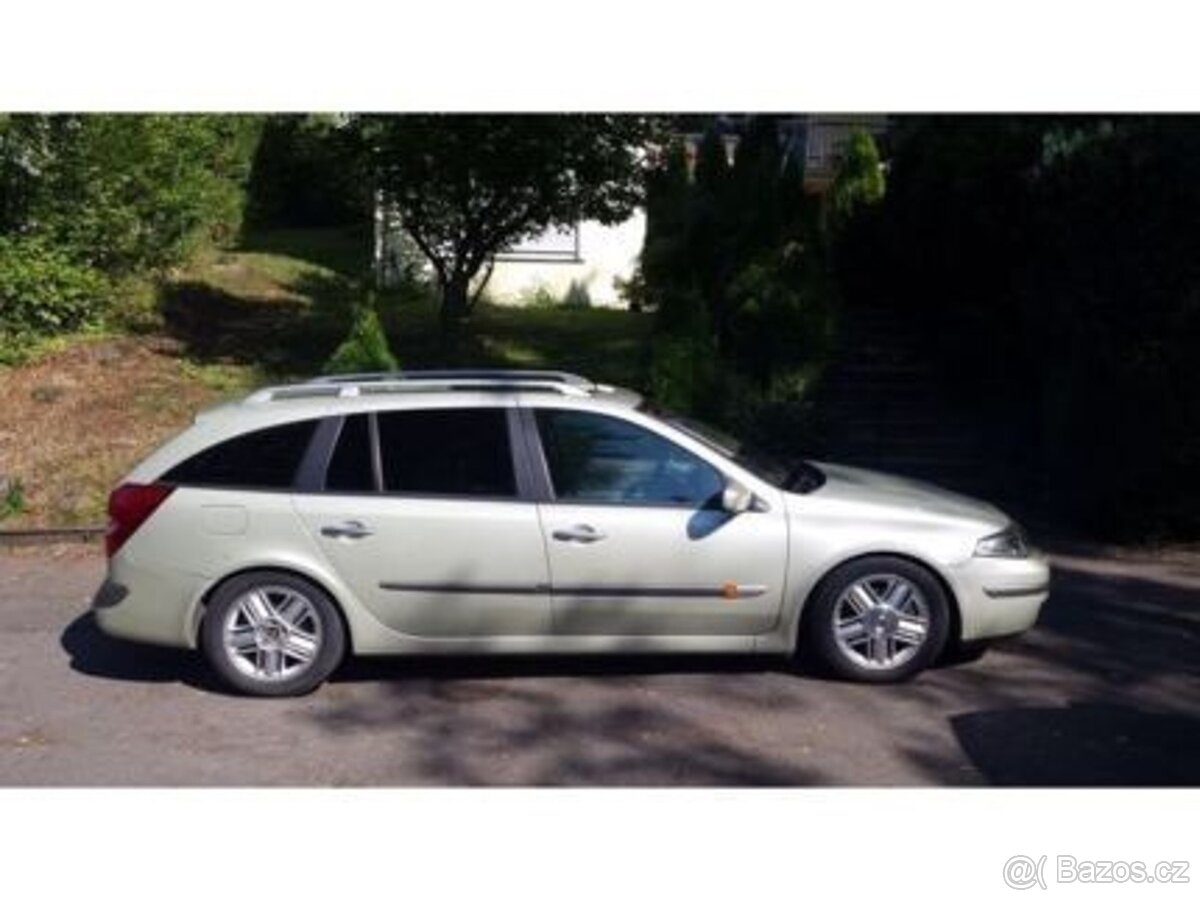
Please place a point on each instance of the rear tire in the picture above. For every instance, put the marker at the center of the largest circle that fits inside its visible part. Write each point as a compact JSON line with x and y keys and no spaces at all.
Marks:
{"x":270,"y":634}
{"x":878,"y":619}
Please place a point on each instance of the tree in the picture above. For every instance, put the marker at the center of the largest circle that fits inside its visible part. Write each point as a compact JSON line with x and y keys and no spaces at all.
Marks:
{"x":24,"y":152}
{"x":125,"y":193}
{"x":740,"y":303}
{"x":858,"y":180}
{"x":307,"y":174}
{"x":663,"y":268}
{"x":468,"y":186}
{"x":709,"y":259}
{"x":756,"y":202}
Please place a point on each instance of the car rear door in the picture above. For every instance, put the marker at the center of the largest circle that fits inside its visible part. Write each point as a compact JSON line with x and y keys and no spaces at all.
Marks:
{"x":421,"y":514}
{"x":637,"y":540}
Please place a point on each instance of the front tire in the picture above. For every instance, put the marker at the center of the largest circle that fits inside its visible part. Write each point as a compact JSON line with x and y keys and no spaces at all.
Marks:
{"x":878,"y":619}
{"x":270,"y":634}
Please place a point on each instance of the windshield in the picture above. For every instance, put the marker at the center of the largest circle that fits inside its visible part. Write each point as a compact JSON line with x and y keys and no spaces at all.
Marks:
{"x":796,"y":475}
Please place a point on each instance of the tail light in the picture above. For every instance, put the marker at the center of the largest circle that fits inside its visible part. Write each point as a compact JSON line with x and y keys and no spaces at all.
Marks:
{"x":128,"y":507}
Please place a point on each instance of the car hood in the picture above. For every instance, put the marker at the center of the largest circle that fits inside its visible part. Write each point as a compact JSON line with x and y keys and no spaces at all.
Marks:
{"x":850,"y":484}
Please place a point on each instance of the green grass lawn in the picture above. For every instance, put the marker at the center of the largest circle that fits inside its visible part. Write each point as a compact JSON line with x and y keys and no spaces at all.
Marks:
{"x":602,"y":344}
{"x":284,"y":300}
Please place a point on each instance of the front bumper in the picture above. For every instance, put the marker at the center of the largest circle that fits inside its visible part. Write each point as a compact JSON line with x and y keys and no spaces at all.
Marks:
{"x":999,"y":597}
{"x":151,"y":606}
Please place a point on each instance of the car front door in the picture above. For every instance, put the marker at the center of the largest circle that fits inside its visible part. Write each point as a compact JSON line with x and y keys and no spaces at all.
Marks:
{"x":422,"y":517}
{"x":637,"y":538}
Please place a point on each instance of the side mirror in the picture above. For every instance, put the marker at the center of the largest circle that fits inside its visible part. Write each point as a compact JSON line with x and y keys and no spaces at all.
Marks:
{"x":736,"y":498}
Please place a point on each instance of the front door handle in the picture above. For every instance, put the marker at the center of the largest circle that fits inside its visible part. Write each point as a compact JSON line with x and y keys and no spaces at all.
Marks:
{"x":580,"y":534}
{"x":351,"y":529}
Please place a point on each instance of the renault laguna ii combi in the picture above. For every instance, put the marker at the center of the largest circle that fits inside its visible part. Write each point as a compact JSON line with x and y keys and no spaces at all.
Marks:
{"x":534,"y":512}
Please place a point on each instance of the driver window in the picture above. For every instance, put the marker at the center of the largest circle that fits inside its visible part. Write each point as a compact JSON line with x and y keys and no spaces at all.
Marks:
{"x":601,"y":459}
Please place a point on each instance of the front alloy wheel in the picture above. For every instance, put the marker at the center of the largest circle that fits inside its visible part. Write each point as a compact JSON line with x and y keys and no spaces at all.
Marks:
{"x":881,"y":622}
{"x":879,"y":619}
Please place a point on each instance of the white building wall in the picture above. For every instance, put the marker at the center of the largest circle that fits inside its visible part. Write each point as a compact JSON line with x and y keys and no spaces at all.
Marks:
{"x":606,"y":253}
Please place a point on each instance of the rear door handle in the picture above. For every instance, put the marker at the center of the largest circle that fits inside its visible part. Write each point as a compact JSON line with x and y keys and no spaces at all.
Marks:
{"x":580,"y":534}
{"x":350,"y":529}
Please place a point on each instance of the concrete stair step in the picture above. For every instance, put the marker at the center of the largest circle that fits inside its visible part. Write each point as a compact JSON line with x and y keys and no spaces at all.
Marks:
{"x":919,"y":461}
{"x":878,"y":378}
{"x":891,"y":436}
{"x":904,"y":420}
{"x":875,"y":370}
{"x":883,"y":405}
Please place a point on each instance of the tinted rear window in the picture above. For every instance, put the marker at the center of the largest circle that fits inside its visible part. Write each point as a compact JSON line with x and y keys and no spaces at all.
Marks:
{"x":453,"y":452}
{"x":267,"y":458}
{"x":350,"y":467}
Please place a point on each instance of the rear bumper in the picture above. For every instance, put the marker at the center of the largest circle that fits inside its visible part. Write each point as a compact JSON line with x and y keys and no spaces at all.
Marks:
{"x":151,"y":606}
{"x":999,"y":597}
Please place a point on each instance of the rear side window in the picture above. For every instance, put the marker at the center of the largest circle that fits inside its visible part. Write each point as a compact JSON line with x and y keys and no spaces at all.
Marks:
{"x":350,"y":467}
{"x":453,"y":452}
{"x":258,"y":459}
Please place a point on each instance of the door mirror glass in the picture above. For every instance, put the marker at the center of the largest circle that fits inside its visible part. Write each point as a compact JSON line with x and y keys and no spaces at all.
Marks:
{"x":736,"y":498}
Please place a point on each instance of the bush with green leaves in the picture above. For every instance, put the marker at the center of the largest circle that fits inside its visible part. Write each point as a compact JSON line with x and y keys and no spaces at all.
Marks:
{"x":577,"y":296}
{"x":43,"y":292}
{"x":12,"y":497}
{"x":682,"y":363}
{"x":681,"y":372}
{"x":538,"y":297}
{"x":125,"y":193}
{"x":857,"y":182}
{"x":782,"y":319}
{"x":365,"y":348}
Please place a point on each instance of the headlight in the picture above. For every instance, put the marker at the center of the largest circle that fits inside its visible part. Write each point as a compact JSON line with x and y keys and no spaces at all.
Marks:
{"x":1009,"y":543}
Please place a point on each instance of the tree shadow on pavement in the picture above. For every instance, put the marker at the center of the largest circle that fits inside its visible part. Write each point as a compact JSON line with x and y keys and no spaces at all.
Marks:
{"x":506,"y":667}
{"x":1082,"y":744}
{"x":622,"y":722}
{"x":1119,"y":625}
{"x":1105,"y":691}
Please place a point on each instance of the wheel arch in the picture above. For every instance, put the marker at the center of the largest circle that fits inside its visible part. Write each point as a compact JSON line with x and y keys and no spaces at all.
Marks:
{"x":201,"y":607}
{"x":804,"y":620}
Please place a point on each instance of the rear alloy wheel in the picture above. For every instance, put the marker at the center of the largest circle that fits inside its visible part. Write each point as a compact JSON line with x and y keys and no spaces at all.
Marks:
{"x":272,"y":635}
{"x":879,"y":619}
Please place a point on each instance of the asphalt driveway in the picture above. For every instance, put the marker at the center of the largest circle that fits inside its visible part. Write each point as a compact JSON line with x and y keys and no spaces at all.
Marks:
{"x":1105,"y":691}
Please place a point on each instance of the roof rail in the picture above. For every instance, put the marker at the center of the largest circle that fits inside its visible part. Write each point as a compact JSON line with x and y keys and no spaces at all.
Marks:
{"x":355,"y":385}
{"x":497,"y":375}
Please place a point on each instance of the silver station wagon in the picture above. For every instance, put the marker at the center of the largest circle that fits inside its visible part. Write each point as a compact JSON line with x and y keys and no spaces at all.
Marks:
{"x":502,"y":511}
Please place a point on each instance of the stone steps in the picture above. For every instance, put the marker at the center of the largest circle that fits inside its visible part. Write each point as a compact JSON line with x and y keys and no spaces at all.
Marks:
{"x":883,"y":405}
